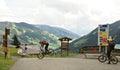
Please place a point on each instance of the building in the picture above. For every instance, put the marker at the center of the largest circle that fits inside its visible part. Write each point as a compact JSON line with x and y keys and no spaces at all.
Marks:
{"x":89,"y":49}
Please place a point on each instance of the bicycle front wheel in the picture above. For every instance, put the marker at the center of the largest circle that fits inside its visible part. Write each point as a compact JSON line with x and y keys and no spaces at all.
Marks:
{"x":102,"y":58}
{"x":114,"y":60}
{"x":40,"y":55}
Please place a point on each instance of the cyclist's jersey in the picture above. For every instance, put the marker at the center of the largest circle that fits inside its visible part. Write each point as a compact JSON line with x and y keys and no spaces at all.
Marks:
{"x":111,"y":45}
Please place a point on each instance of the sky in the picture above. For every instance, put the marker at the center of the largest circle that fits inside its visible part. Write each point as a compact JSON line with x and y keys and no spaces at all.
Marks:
{"x":78,"y":16}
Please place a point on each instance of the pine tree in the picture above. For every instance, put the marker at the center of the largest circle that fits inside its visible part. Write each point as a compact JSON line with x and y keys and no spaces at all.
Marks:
{"x":15,"y":41}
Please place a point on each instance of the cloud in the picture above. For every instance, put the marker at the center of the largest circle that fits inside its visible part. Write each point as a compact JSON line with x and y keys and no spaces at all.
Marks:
{"x":79,"y":16}
{"x":4,"y":11}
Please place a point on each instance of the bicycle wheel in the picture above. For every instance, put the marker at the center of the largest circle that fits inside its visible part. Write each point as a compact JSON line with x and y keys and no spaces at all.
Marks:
{"x":102,"y":58}
{"x":114,"y":60}
{"x":40,"y":55}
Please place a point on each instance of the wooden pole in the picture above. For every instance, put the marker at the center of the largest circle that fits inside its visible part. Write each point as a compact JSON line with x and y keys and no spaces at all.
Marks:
{"x":7,"y":32}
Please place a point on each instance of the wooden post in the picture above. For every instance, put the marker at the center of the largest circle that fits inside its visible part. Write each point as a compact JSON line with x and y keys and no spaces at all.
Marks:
{"x":7,"y":32}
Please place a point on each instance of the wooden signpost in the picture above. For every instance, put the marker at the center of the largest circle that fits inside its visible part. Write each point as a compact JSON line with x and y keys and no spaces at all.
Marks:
{"x":7,"y":32}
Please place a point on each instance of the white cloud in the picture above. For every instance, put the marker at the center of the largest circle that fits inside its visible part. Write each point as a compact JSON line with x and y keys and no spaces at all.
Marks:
{"x":4,"y":11}
{"x":80,"y":16}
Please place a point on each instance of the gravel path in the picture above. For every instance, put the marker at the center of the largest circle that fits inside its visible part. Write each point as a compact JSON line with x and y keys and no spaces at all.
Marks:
{"x":62,"y":64}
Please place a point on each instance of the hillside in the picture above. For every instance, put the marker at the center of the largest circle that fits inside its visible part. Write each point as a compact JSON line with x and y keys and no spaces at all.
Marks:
{"x":60,"y":32}
{"x":31,"y":34}
{"x":92,"y":38}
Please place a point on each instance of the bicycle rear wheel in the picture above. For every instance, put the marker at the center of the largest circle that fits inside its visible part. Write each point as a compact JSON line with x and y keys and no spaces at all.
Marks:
{"x":51,"y":52}
{"x":114,"y":60}
{"x":102,"y":58}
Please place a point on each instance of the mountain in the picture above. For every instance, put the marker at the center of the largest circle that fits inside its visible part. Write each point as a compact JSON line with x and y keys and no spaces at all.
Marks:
{"x":30,"y":34}
{"x":91,"y":39}
{"x":60,"y":32}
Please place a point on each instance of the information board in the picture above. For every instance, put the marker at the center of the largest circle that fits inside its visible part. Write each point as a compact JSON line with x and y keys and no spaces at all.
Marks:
{"x":103,"y":33}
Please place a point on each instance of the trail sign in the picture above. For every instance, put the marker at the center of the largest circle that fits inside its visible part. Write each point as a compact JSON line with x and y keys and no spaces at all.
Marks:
{"x":103,"y":34}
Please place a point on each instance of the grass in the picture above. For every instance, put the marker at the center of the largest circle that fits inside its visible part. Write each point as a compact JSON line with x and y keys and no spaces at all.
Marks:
{"x":5,"y":64}
{"x":12,"y":51}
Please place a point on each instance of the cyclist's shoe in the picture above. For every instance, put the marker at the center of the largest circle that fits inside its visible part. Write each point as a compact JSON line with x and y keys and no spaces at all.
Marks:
{"x":108,"y":62}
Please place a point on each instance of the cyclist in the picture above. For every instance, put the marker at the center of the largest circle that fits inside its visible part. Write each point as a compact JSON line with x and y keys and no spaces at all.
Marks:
{"x":110,"y":47}
{"x":44,"y":42}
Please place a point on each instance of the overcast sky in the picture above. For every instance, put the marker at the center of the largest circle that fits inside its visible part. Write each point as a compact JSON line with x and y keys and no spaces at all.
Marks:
{"x":79,"y":16}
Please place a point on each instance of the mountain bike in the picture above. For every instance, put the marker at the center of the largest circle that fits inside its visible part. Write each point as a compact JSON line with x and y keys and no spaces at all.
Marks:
{"x":103,"y":58}
{"x":43,"y":53}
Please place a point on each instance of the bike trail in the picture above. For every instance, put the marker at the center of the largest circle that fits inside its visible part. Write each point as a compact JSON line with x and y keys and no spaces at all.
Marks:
{"x":62,"y":64}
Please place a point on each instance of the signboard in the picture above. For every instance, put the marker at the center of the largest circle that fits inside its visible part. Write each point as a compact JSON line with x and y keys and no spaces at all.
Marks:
{"x":7,"y":31}
{"x":103,"y":33}
{"x":64,"y":44}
